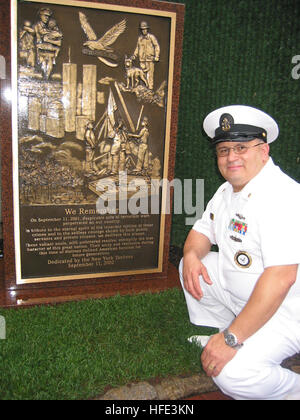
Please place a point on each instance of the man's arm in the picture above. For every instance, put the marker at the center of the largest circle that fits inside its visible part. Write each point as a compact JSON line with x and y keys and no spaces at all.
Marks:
{"x":267,"y":296}
{"x":139,"y":135}
{"x":197,"y":246}
{"x":156,"y":47}
{"x":136,"y":51}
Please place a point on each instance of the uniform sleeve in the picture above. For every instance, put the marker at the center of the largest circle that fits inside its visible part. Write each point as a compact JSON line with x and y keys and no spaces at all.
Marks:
{"x":205,"y":225}
{"x":279,"y":226}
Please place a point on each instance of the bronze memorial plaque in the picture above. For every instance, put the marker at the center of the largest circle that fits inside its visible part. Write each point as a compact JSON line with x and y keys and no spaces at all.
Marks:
{"x":92,"y":137}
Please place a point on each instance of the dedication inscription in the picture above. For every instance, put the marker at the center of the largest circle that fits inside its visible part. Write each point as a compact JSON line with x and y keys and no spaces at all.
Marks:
{"x":92,"y":106}
{"x":82,"y":241}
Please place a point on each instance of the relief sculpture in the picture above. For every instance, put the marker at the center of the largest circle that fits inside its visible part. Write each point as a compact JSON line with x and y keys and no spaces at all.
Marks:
{"x":101,"y":47}
{"x":40,"y":44}
{"x":92,"y":101}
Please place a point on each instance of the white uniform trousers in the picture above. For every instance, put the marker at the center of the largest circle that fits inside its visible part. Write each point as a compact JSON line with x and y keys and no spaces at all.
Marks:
{"x":255,"y":372}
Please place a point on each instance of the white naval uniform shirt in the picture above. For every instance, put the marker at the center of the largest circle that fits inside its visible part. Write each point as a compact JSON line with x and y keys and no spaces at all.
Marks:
{"x":256,"y":228}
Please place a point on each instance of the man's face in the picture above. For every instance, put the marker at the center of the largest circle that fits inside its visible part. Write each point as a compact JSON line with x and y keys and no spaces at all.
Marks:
{"x":45,"y":17}
{"x":239,"y":169}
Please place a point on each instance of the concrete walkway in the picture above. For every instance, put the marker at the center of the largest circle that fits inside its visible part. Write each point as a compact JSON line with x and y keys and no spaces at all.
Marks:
{"x":175,"y":388}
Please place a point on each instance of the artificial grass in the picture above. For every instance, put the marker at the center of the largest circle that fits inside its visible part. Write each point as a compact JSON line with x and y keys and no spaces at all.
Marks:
{"x":76,"y":350}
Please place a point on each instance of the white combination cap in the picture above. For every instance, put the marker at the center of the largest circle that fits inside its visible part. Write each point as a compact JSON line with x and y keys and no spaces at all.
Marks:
{"x":240,"y":123}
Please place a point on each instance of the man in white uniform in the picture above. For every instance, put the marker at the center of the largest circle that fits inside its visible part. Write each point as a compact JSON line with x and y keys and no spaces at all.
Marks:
{"x":250,"y":289}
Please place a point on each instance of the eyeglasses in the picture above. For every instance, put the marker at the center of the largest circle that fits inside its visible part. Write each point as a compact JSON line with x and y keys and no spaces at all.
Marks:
{"x":240,"y":149}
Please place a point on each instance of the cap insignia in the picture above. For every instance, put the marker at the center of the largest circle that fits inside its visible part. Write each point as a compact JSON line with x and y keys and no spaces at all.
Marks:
{"x":226,"y":122}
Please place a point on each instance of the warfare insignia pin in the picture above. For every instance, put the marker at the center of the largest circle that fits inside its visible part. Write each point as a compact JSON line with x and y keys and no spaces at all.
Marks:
{"x":234,"y":238}
{"x":243,"y":259}
{"x":240,"y":216}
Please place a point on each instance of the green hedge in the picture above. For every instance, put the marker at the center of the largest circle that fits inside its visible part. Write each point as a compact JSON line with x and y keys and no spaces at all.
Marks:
{"x":237,"y":52}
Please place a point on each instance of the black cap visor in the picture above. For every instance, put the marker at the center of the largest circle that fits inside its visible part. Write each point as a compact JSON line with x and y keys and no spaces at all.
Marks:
{"x":239,"y":133}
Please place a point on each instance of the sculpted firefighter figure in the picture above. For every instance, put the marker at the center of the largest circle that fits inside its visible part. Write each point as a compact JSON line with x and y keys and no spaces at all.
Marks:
{"x":143,"y":150}
{"x":148,"y":53}
{"x":90,"y":149}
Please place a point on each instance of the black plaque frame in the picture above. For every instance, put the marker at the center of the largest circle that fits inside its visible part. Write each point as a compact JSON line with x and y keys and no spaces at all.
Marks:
{"x":16,"y":225}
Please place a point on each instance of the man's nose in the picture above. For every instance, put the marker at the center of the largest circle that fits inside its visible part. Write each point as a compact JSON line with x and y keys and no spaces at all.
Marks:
{"x":231,"y":154}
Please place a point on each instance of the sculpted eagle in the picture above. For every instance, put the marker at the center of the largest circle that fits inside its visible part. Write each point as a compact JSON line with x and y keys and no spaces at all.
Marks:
{"x":102,"y":45}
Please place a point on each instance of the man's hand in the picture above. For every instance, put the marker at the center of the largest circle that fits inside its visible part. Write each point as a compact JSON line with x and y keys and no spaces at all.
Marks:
{"x":197,"y":246}
{"x":216,"y":355}
{"x":192,"y":269}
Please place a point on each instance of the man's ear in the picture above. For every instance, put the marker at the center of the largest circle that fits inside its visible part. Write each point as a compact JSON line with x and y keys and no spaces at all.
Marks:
{"x":266,"y":150}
